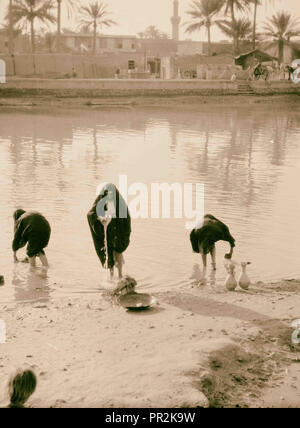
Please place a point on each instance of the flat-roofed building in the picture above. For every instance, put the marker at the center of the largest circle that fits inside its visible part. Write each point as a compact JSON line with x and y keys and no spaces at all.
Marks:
{"x":80,"y":43}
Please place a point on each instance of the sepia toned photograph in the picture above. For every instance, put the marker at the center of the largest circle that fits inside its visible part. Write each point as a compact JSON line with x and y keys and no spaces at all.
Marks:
{"x":150,"y":215}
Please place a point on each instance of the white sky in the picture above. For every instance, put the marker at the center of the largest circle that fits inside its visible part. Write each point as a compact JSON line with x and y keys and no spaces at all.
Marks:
{"x":134,"y":16}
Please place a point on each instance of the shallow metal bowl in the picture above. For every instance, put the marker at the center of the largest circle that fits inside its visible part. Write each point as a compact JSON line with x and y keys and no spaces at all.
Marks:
{"x":136,"y":301}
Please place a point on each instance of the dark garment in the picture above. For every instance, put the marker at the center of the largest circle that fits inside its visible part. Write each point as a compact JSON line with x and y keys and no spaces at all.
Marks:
{"x":34,"y":229}
{"x":118,"y":230}
{"x":212,"y":231}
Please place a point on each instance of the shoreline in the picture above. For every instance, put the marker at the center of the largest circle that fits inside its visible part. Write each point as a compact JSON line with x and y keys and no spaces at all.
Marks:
{"x":189,"y":102}
{"x":216,"y":349}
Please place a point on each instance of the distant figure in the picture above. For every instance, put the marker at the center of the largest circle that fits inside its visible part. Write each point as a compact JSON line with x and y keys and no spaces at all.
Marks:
{"x":233,"y":77}
{"x":204,"y":236}
{"x":289,"y":70}
{"x":21,"y":386}
{"x":110,"y":213}
{"x":33,"y":229}
{"x":117,"y":74}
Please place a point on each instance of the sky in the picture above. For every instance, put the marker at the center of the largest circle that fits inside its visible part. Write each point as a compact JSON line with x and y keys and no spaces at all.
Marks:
{"x":133,"y":16}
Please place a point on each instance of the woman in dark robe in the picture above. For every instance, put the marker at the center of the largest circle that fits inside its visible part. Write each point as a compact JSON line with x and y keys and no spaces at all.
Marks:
{"x":33,"y":229}
{"x":110,"y":212}
{"x":204,"y":236}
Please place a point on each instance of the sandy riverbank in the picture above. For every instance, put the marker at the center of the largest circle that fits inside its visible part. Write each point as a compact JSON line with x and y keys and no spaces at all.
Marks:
{"x":198,"y":347}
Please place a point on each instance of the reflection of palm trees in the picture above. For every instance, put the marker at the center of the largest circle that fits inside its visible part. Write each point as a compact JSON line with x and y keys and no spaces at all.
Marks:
{"x":99,"y":160}
{"x":15,"y":153}
{"x":205,"y":157}
{"x":61,"y":183}
{"x":231,"y":151}
{"x":279,"y":141}
{"x":199,"y":162}
{"x":250,"y":191}
{"x":174,"y":137}
{"x":32,"y":166}
{"x":95,"y":144}
{"x":232,"y":168}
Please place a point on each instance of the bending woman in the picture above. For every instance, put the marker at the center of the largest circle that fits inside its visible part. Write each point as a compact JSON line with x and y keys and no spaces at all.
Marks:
{"x":110,"y":213}
{"x":204,"y":236}
{"x":34,"y":229}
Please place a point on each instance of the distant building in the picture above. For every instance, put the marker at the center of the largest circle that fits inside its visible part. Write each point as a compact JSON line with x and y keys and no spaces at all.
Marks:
{"x":83,"y":43}
{"x":20,"y":42}
{"x":189,"y":47}
{"x":3,"y":41}
{"x":169,"y":47}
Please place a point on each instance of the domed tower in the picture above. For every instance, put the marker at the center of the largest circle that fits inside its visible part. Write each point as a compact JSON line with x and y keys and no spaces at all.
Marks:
{"x":175,"y":20}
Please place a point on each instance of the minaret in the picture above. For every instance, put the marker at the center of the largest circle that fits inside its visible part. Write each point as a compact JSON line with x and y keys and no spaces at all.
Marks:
{"x":175,"y":20}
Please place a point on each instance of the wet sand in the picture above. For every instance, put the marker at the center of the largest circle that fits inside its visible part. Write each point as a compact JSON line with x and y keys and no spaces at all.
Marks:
{"x":202,"y":346}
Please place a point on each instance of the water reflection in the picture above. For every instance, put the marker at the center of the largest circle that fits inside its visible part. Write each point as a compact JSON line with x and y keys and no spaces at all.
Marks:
{"x":31,"y":285}
{"x":247,"y":159}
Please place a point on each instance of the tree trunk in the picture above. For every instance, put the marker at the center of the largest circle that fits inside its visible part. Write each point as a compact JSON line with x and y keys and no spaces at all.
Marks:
{"x":95,"y":38}
{"x":11,"y":29}
{"x":32,"y":36}
{"x":233,"y":26}
{"x":209,"y":39}
{"x":58,"y":35}
{"x":254,"y":25}
{"x":33,"y":44}
{"x":280,"y":50}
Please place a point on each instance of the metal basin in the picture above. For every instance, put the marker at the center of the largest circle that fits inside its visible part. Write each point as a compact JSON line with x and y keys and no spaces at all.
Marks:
{"x":136,"y":301}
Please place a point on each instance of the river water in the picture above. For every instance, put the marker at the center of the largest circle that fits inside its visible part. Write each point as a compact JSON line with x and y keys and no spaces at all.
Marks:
{"x":53,"y":160}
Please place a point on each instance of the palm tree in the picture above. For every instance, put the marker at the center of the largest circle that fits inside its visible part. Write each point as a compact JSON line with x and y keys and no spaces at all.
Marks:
{"x":240,"y":30}
{"x":202,"y":14}
{"x":95,"y":14}
{"x":231,"y":7}
{"x":282,"y":27}
{"x":71,"y":5}
{"x":49,"y":40}
{"x":256,"y":4}
{"x":11,"y":28}
{"x":152,"y":32}
{"x":26,"y":12}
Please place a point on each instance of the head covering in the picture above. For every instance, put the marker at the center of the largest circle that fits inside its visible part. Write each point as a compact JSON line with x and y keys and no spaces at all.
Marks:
{"x":18,"y":213}
{"x":111,"y":201}
{"x":21,"y":386}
